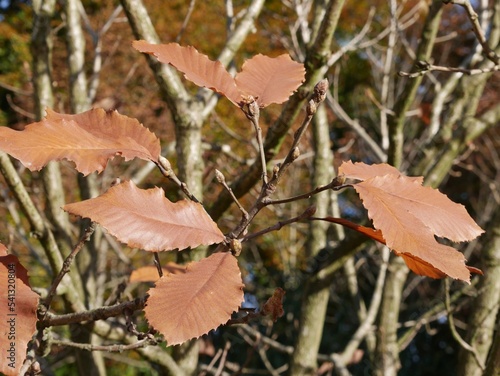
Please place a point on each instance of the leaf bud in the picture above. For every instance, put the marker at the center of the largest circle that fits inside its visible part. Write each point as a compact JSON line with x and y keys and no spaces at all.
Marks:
{"x":295,"y":153}
{"x":311,"y":107}
{"x":219,"y":176}
{"x":235,"y":246}
{"x":320,"y":90}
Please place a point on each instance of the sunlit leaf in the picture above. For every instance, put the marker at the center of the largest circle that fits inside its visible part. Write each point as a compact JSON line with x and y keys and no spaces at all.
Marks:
{"x":270,"y":80}
{"x":188,"y":305}
{"x":18,"y":305}
{"x":147,"y":219}
{"x":88,"y":139}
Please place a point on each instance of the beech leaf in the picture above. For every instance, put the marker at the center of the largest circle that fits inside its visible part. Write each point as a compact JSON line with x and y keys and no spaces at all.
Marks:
{"x":197,"y":67}
{"x":88,"y":139}
{"x":409,"y":215}
{"x":18,"y":305}
{"x":442,"y":216}
{"x":187,"y":305}
{"x":147,"y":219}
{"x":363,"y":171}
{"x":268,"y":80}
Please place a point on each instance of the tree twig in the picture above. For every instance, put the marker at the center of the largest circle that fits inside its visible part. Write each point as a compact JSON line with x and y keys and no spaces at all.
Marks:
{"x":453,"y":329}
{"x":66,"y":266}
{"x":424,"y":67}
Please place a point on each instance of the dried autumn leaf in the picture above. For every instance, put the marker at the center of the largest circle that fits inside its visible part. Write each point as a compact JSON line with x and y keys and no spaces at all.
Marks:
{"x":409,"y":215}
{"x":268,"y":80}
{"x":18,"y":304}
{"x":363,"y":171}
{"x":197,"y":67}
{"x":188,"y":305}
{"x":150,"y":273}
{"x":274,"y":305}
{"x":88,"y":139}
{"x":147,"y":219}
{"x":442,"y":216}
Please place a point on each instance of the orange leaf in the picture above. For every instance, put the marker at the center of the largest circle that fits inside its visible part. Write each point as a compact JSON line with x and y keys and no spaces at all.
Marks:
{"x":188,"y":305}
{"x":409,"y":215}
{"x":197,"y":68}
{"x":150,"y":273}
{"x":147,"y":219}
{"x":270,"y":80}
{"x":18,"y":305}
{"x":89,"y":139}
{"x":362,"y":171}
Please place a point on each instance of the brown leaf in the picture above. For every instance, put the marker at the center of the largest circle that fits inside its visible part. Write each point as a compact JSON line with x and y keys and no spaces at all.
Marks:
{"x":197,"y":67}
{"x":270,"y":80}
{"x":362,"y":171}
{"x":89,"y":139}
{"x":18,"y":305}
{"x":442,"y":216}
{"x":150,"y":273}
{"x":188,"y":305}
{"x":147,"y":219}
{"x":409,"y":215}
{"x":274,"y":305}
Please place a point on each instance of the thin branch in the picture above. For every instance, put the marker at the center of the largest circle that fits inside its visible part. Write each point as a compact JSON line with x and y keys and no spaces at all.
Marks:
{"x":318,"y":97}
{"x":221,"y":179}
{"x":476,"y":27}
{"x":453,"y":329}
{"x":66,"y":266}
{"x":107,"y":348}
{"x":306,"y":214}
{"x":252,"y":112}
{"x":336,"y":184}
{"x":192,"y":3}
{"x":424,"y":67}
{"x":101,"y":313}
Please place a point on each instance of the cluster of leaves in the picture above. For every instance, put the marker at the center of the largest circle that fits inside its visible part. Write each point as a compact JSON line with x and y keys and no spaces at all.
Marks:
{"x":405,"y":214}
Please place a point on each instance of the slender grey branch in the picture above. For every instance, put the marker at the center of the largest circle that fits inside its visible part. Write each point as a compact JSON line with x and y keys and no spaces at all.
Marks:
{"x":476,"y":27}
